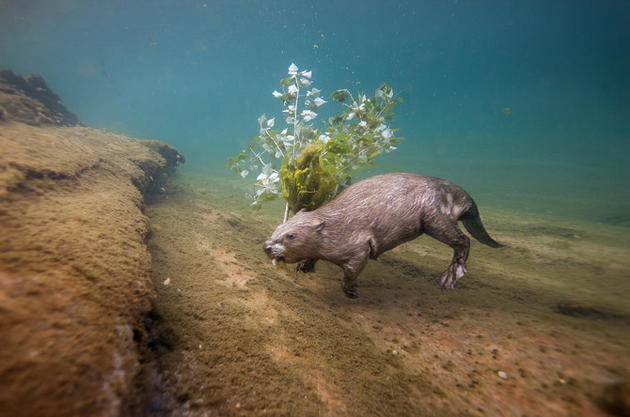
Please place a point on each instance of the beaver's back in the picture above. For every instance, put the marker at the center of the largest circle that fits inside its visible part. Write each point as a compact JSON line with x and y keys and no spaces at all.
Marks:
{"x":391,"y":206}
{"x":395,"y":193}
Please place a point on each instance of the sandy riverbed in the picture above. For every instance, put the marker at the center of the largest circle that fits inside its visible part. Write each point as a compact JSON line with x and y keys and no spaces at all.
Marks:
{"x":538,"y":328}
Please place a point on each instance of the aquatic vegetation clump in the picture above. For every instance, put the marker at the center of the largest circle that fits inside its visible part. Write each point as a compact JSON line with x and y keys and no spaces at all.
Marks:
{"x":307,"y":183}
{"x":308,"y":166}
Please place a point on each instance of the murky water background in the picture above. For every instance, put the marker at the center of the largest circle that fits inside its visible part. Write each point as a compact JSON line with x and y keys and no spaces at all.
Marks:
{"x":525,"y":104}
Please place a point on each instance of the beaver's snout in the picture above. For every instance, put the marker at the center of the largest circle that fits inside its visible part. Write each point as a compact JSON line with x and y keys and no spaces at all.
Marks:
{"x":272,"y":249}
{"x":267,"y":247}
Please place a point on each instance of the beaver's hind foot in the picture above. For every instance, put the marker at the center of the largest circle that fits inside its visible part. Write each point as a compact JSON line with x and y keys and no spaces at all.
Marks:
{"x":449,"y":278}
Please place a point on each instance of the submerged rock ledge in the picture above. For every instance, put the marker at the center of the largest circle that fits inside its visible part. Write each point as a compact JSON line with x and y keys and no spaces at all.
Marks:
{"x":74,"y":267}
{"x":29,"y":100}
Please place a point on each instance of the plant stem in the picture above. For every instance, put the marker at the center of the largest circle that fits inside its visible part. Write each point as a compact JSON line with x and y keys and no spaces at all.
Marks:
{"x":259,"y":158}
{"x":295,"y":138}
{"x":274,"y":141}
{"x":286,"y":213}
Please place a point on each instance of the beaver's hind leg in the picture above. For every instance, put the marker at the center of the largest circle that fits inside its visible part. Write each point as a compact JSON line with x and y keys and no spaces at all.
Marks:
{"x":446,"y":230}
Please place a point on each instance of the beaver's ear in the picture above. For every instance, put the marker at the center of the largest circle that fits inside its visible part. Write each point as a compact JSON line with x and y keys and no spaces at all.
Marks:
{"x":317,"y":224}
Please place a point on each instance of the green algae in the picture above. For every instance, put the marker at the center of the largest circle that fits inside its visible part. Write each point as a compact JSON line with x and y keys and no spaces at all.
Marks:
{"x":308,"y":182}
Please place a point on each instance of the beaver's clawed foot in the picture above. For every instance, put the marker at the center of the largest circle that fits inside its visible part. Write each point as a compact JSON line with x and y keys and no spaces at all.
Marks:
{"x":350,"y":291}
{"x":306,"y":266}
{"x":449,"y":278}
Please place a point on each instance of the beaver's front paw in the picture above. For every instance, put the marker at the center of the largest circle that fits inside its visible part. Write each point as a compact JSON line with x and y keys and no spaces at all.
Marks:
{"x":306,"y":266}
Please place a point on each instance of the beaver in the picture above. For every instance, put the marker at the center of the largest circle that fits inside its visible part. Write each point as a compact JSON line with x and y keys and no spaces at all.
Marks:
{"x":376,"y":215}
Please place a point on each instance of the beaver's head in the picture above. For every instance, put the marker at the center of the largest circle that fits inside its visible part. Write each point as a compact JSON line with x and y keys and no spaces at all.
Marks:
{"x":296,"y":240}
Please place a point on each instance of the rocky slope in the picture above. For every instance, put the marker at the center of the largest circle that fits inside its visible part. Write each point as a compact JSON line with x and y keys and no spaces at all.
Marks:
{"x":74,"y":267}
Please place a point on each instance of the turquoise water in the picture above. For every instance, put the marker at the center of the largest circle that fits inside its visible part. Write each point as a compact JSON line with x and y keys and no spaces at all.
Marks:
{"x":197,"y":74}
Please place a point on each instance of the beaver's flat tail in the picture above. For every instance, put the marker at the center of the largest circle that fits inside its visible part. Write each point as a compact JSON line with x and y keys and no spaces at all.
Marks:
{"x":472,"y":223}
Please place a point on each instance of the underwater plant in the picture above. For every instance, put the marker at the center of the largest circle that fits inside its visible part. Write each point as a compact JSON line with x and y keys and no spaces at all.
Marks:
{"x":308,"y":166}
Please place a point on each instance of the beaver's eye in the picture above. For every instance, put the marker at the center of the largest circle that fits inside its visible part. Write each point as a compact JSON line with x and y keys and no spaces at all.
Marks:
{"x":291,"y":236}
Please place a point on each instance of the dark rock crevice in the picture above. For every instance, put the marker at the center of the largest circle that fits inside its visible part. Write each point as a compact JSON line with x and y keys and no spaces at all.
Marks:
{"x":153,"y":338}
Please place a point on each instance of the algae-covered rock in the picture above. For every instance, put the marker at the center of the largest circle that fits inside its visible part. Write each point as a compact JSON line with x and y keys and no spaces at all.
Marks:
{"x":29,"y":100}
{"x":74,"y":267}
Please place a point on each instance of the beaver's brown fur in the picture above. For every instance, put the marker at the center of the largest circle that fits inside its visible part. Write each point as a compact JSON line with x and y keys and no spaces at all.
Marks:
{"x":376,"y":215}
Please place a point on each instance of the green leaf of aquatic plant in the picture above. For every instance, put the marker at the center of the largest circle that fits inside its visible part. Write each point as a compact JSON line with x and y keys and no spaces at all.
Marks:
{"x":340,"y":95}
